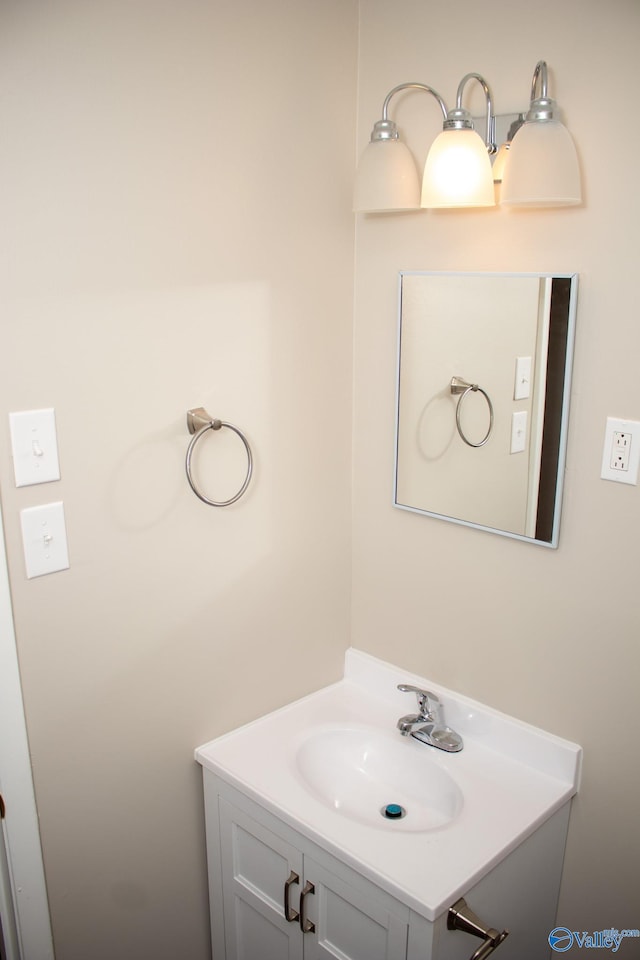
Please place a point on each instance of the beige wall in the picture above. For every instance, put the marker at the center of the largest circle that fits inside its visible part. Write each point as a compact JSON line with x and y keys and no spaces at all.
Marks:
{"x":175,"y":231}
{"x":175,"y":190}
{"x":551,"y":637}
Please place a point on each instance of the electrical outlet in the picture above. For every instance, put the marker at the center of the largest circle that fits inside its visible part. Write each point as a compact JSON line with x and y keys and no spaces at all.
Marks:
{"x":621,"y":453}
{"x":620,"y":450}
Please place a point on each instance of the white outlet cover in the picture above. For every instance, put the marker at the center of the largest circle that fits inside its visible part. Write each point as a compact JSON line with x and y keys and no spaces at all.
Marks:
{"x":44,"y":538}
{"x":631,"y":427}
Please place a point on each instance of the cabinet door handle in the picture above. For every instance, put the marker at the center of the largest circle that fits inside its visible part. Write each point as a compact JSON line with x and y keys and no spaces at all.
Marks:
{"x":307,"y":926}
{"x":291,"y":914}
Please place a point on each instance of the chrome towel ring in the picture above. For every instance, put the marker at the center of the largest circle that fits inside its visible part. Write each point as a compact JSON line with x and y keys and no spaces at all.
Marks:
{"x":198,"y":422}
{"x":462,"y":388}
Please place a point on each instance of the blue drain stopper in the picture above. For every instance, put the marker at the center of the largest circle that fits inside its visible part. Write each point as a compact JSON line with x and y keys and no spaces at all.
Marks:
{"x":393,"y":811}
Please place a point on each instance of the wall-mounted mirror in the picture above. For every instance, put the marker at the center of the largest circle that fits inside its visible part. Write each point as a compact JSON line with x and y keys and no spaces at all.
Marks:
{"x":484,"y":366}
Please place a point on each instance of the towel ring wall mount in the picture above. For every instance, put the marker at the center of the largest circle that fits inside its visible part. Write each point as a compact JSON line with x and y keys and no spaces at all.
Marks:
{"x":199,"y":423}
{"x":462,"y":389}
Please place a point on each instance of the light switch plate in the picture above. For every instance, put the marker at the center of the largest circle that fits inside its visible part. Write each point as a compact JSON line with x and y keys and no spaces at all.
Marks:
{"x":34,"y":446}
{"x":621,"y":451}
{"x":522,"y":384}
{"x":44,"y":538}
{"x":518,"y":431}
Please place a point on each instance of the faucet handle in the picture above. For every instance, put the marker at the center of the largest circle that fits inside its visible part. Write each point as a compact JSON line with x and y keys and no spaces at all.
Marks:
{"x":427,"y":701}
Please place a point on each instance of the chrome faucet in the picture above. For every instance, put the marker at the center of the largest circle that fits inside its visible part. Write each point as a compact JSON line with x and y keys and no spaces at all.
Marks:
{"x":428,"y":724}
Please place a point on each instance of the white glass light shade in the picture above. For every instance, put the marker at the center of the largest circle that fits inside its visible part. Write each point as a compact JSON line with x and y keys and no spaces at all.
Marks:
{"x":458,"y":172}
{"x":386,"y":179}
{"x":542,"y":167}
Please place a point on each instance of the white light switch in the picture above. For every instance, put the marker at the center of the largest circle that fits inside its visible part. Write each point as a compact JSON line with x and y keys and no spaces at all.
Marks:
{"x":44,"y":538}
{"x":522,"y":385}
{"x":518,"y":431}
{"x":34,"y":446}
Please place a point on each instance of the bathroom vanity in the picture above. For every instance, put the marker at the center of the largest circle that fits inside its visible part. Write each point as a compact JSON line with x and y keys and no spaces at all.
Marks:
{"x":305,"y":862}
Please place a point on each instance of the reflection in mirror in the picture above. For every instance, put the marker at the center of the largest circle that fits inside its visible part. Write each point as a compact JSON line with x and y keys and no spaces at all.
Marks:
{"x":484,"y":366}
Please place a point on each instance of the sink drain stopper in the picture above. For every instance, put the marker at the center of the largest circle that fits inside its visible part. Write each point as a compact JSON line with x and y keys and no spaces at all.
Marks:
{"x":393,"y":811}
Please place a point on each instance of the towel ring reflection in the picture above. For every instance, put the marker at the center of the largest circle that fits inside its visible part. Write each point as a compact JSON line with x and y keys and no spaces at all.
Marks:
{"x":462,"y":388}
{"x":198,"y":422}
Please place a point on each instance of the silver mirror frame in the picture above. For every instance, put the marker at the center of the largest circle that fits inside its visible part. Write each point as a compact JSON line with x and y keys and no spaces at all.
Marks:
{"x":564,"y":415}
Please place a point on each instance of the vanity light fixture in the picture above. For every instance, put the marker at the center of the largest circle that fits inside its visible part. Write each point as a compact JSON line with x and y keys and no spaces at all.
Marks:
{"x":543,"y":165}
{"x":387,"y":179}
{"x":542,"y":170}
{"x":458,"y":169}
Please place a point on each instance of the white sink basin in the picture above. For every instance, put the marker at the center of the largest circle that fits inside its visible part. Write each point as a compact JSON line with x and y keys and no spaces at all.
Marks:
{"x":327,"y":764}
{"x":359,"y":771}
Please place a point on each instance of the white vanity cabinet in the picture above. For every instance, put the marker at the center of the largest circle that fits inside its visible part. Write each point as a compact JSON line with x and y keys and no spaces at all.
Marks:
{"x":303,"y":864}
{"x":252,"y":854}
{"x":258,"y":867}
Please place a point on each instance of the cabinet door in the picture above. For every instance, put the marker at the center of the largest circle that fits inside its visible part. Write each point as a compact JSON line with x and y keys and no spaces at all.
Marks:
{"x":256,"y":864}
{"x":351,"y":922}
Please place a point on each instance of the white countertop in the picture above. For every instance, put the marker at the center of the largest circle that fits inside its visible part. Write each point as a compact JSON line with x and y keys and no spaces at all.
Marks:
{"x":512,"y":778}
